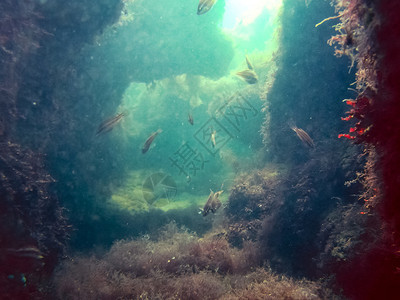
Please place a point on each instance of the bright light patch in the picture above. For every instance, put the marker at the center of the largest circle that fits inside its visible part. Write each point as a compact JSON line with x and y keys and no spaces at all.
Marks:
{"x":244,"y":12}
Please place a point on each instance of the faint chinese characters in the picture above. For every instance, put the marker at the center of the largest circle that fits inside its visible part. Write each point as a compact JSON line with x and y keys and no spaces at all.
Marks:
{"x":159,"y":185}
{"x":213,"y":135}
{"x":188,"y":160}
{"x":237,"y":110}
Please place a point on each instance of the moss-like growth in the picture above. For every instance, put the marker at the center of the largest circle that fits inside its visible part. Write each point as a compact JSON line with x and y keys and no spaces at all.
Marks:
{"x":178,"y":265}
{"x":368,"y":33}
{"x":130,"y":197}
{"x":254,"y":196}
{"x":133,"y":197}
{"x":255,"y":193}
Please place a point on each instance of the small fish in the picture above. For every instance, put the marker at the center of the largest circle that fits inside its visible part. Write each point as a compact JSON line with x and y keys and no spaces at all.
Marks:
{"x":249,"y":65}
{"x":249,"y":76}
{"x":190,"y":119}
{"x":25,"y":252}
{"x":303,"y":136}
{"x":205,"y":6}
{"x":213,"y":203}
{"x":213,"y":134}
{"x":109,"y":124}
{"x":23,"y":279}
{"x":149,"y":140}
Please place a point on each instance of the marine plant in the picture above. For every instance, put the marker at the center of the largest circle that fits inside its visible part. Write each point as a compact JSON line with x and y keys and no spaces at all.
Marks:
{"x":33,"y":228}
{"x":178,"y":265}
{"x":254,"y":196}
{"x":367,"y":31}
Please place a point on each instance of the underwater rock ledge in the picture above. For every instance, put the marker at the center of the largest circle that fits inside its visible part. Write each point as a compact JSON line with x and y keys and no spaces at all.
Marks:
{"x":369,"y":34}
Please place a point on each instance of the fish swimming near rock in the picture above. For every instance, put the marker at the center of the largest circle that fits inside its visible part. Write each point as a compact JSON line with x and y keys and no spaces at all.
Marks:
{"x":190,"y":119}
{"x":205,"y":6}
{"x":303,"y":136}
{"x":25,"y":252}
{"x":249,"y":76}
{"x":150,"y":140}
{"x":249,"y":65}
{"x":110,"y":123}
{"x":213,"y":203}
{"x":21,"y":260}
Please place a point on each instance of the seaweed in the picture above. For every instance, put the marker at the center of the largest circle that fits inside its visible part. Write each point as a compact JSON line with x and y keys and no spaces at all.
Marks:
{"x":368,"y":31}
{"x":178,"y":265}
{"x":254,"y":196}
{"x":33,"y":228}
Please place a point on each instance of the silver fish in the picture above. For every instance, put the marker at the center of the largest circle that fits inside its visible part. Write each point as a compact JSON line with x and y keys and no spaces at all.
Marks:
{"x":213,"y":203}
{"x":248,"y":75}
{"x":109,"y":124}
{"x":190,"y":119}
{"x":303,"y":136}
{"x":249,"y":65}
{"x":149,"y":140}
{"x":205,"y":6}
{"x":213,"y":135}
{"x":25,"y":252}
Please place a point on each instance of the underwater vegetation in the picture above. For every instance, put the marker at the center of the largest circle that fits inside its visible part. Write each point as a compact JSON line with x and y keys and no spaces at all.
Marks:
{"x":33,"y":227}
{"x":345,"y":234}
{"x":305,"y":92}
{"x":300,"y":209}
{"x":179,"y":265}
{"x":135,"y":196}
{"x":254,"y":196}
{"x":368,"y":33}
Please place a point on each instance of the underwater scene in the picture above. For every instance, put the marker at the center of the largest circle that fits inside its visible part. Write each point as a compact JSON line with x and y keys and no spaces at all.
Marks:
{"x":199,"y":149}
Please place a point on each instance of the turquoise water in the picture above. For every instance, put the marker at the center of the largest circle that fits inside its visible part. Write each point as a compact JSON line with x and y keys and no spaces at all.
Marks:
{"x":150,"y":152}
{"x":188,"y":67}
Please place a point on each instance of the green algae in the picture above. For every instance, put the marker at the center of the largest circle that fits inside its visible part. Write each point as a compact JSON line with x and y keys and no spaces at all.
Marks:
{"x":132,"y":197}
{"x":129,"y":196}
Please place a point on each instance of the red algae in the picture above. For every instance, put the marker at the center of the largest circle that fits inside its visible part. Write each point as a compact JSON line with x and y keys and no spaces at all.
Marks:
{"x":369,"y":34}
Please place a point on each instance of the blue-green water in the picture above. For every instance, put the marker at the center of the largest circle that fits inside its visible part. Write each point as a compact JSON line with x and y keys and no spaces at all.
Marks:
{"x":187,"y":67}
{"x":84,"y":186}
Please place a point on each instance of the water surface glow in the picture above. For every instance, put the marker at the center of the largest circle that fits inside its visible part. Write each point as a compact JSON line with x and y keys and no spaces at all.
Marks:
{"x":245,"y":12}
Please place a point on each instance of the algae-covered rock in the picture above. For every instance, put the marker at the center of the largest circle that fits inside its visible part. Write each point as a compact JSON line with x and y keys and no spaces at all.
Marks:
{"x":130,"y":196}
{"x":136,"y":195}
{"x":129,"y":202}
{"x":255,"y":195}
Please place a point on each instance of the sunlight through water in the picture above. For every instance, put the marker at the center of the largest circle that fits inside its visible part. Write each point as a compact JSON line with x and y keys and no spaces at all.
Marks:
{"x":245,"y":12}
